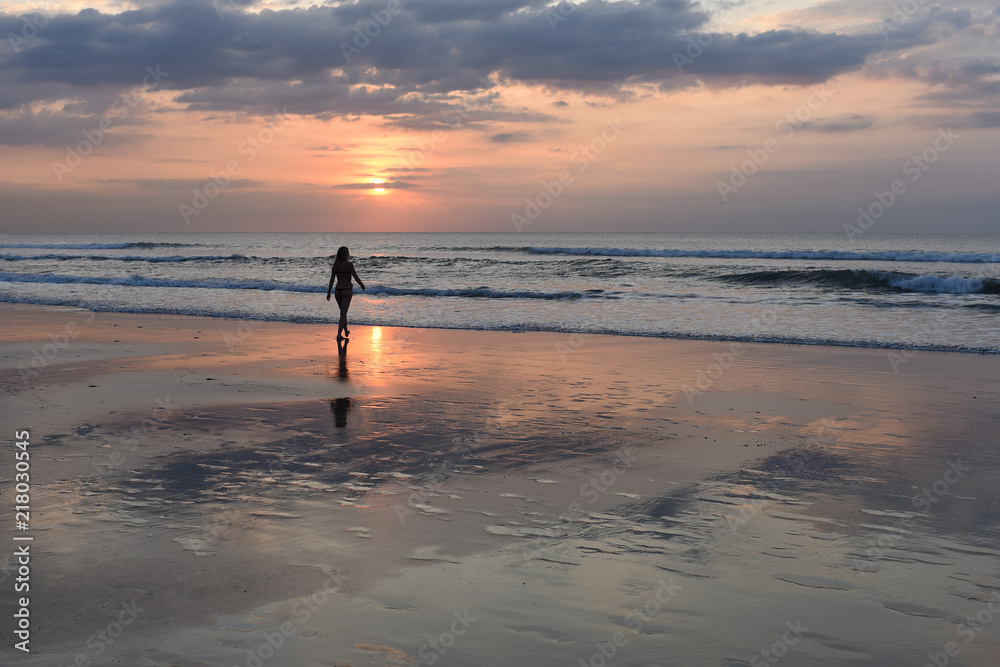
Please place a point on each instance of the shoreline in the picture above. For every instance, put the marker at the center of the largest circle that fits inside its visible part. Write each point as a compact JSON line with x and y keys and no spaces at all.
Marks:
{"x":218,"y":476}
{"x":745,"y":340}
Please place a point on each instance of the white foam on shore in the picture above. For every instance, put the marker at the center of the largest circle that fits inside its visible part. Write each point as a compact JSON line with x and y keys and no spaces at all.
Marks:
{"x":845,"y":255}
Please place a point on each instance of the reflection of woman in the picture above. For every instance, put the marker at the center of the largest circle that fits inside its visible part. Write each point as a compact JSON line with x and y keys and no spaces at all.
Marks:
{"x":340,"y":407}
{"x":343,"y":271}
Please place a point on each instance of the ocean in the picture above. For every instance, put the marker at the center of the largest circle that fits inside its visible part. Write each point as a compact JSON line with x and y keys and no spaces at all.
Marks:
{"x":908,"y":291}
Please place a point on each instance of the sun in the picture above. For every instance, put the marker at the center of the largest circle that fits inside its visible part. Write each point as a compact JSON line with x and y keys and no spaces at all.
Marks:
{"x":378,"y":189}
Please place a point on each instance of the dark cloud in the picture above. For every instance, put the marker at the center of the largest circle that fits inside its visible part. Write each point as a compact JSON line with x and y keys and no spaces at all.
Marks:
{"x":388,"y":185}
{"x":510,"y":137}
{"x":112,"y":208}
{"x":430,"y":47}
{"x":172,"y":184}
{"x":425,"y":66}
{"x":47,"y":128}
{"x":982,"y":119}
{"x":952,"y":78}
{"x":447,"y":11}
{"x":850,"y":123}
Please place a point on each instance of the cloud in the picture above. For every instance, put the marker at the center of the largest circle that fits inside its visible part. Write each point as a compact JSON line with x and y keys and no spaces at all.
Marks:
{"x":185,"y":184}
{"x":437,"y":64}
{"x":387,"y":185}
{"x":975,"y":120}
{"x":982,"y":119}
{"x":423,"y":62}
{"x":111,"y":208}
{"x":48,"y":128}
{"x":951,"y":65}
{"x":849,"y":123}
{"x":510,"y":137}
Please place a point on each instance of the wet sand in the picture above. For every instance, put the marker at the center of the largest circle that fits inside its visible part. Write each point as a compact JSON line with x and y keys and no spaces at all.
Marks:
{"x":211,"y":492}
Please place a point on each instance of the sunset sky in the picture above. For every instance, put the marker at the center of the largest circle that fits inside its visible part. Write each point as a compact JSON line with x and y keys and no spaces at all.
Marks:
{"x":499,"y":115}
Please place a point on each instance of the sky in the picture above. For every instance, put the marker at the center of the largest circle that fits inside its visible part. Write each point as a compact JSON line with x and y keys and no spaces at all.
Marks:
{"x":500,"y":115}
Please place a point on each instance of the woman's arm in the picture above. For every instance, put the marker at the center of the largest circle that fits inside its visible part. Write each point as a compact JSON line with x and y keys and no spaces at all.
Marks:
{"x":333,"y":276}
{"x":355,"y":274}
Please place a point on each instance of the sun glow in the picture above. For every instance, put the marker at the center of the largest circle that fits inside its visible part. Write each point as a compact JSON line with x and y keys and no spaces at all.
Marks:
{"x":378,"y":189}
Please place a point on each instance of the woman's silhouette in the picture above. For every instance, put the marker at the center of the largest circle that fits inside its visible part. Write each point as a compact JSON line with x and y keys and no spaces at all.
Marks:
{"x":343,"y":271}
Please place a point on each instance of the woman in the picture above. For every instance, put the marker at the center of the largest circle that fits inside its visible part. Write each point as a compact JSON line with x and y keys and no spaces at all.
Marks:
{"x":343,"y":271}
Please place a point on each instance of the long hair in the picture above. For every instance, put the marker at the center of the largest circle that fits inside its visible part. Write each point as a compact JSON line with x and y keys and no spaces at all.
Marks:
{"x":343,"y":255}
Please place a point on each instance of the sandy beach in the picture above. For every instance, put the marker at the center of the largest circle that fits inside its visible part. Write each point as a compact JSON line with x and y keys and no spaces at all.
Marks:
{"x":218,"y":492}
{"x":673,"y":333}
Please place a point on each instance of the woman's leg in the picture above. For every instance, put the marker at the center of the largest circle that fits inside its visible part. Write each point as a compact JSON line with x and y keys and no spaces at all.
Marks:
{"x":344,"y":301}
